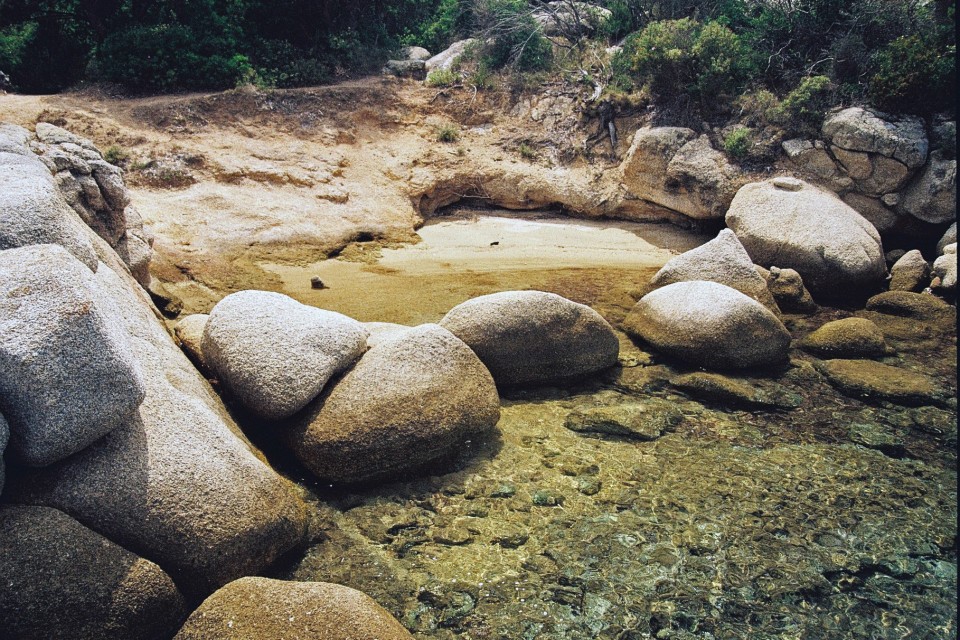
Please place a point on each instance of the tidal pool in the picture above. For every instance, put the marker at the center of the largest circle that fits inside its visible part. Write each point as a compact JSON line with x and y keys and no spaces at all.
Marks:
{"x":819,"y":517}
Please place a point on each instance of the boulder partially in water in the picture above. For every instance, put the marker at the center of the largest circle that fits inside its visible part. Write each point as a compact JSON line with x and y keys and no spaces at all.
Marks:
{"x":788,"y":290}
{"x":62,"y":580}
{"x":176,"y":483}
{"x":528,"y":337}
{"x":276,"y":354}
{"x":722,"y":260}
{"x":870,"y":380}
{"x":710,"y":325}
{"x":261,"y":608}
{"x":835,"y":249}
{"x":67,"y":377}
{"x":910,"y":272}
{"x":847,"y":338}
{"x":917,"y":306}
{"x":416,"y":397}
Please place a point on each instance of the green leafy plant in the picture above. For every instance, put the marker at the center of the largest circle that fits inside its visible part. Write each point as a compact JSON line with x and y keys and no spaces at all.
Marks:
{"x":116,"y":155}
{"x":526,"y":151}
{"x":738,"y":143}
{"x":442,"y":78}
{"x":448,"y":133}
{"x":803,"y":109}
{"x":511,"y":37}
{"x":914,"y":74}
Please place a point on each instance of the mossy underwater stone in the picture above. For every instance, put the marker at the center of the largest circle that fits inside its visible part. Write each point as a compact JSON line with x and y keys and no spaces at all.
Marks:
{"x":846,"y":338}
{"x":276,"y":354}
{"x":916,"y":306}
{"x":729,"y":391}
{"x":416,"y":397}
{"x":528,"y":337}
{"x":66,"y":374}
{"x":262,"y":609}
{"x":630,"y":420}
{"x":62,"y":580}
{"x":870,"y":380}
{"x":710,"y":325}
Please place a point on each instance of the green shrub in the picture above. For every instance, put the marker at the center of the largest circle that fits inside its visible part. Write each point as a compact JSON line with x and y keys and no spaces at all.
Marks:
{"x":803,"y":109}
{"x":758,"y":108}
{"x":914,"y":74}
{"x":116,"y":155}
{"x":511,"y":36}
{"x":708,"y":62}
{"x":442,"y":78}
{"x":526,"y":151}
{"x":448,"y":133}
{"x":738,"y":143}
{"x":45,"y":55}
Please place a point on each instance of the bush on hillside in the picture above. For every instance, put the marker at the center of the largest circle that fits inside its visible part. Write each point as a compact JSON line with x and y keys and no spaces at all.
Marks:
{"x":915,"y":75}
{"x":512,"y":37}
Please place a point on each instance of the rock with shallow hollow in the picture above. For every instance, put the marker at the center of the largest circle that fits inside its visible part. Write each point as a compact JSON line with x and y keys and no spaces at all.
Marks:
{"x":66,"y":374}
{"x":529,"y":337}
{"x":261,"y":609}
{"x":276,"y":354}
{"x":62,"y":580}
{"x":710,"y":325}
{"x":834,"y":249}
{"x":416,"y":397}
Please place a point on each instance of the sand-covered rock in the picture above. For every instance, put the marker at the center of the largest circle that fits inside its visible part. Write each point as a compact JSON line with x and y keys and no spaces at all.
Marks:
{"x":830,"y":245}
{"x":910,"y":272}
{"x":526,"y":337}
{"x":67,"y":376}
{"x":62,"y":580}
{"x":416,"y":397}
{"x":262,"y":609}
{"x":710,"y":325}
{"x":870,"y":380}
{"x":32,"y":209}
{"x":846,"y":338}
{"x":276,"y":354}
{"x":176,"y":483}
{"x":722,"y":260}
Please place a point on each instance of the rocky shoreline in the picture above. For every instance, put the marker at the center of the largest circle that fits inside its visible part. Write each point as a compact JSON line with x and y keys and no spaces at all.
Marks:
{"x":116,"y":443}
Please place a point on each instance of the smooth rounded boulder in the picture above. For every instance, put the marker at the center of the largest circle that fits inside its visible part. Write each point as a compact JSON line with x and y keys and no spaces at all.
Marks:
{"x":66,"y":374}
{"x":276,"y":354}
{"x":261,"y":608}
{"x":847,"y":338}
{"x":526,"y":337}
{"x":710,"y":325}
{"x":416,"y":397}
{"x":62,"y":580}
{"x":834,"y":249}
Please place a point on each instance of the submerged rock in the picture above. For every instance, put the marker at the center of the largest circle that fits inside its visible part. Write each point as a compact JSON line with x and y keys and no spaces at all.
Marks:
{"x":722,"y":260}
{"x":870,"y":380}
{"x":830,"y":245}
{"x":415,"y":398}
{"x":62,"y":580}
{"x":729,"y":391}
{"x":276,"y":354}
{"x":176,"y":483}
{"x":632,"y":420}
{"x":847,"y":338}
{"x":527,"y":337}
{"x":917,"y":306}
{"x":710,"y":325}
{"x":66,"y":374}
{"x":260,"y":608}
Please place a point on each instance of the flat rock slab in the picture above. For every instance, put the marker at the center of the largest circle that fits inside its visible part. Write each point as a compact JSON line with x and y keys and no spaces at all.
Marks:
{"x":710,"y":325}
{"x":416,"y":397}
{"x":527,"y":337}
{"x":724,"y":390}
{"x":916,"y":306}
{"x":260,"y":608}
{"x":870,"y":380}
{"x":67,"y":377}
{"x":62,"y":580}
{"x":634,"y":421}
{"x":276,"y":354}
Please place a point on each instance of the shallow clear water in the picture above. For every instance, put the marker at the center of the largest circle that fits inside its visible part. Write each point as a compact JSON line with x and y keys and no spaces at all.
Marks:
{"x":836,"y":519}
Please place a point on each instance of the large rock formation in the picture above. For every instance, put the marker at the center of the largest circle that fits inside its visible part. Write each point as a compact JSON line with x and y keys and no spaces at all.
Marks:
{"x":416,"y":397}
{"x":674,"y":168}
{"x":275,"y":354}
{"x":932,"y":197}
{"x":791,"y":224}
{"x":62,"y":580}
{"x":448,"y":57}
{"x":722,"y":260}
{"x":709,"y":325}
{"x":67,"y":377}
{"x":526,"y":337}
{"x":260,"y":608}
